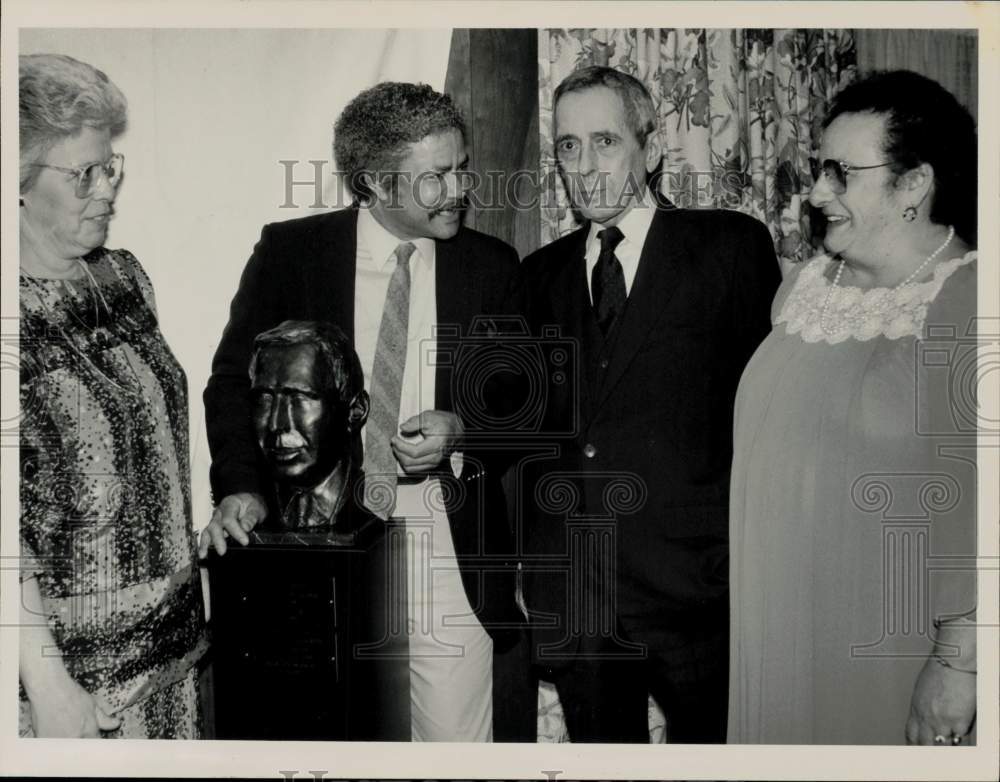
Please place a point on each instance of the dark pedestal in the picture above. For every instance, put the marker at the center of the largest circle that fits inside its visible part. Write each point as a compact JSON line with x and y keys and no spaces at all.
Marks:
{"x":307,"y":638}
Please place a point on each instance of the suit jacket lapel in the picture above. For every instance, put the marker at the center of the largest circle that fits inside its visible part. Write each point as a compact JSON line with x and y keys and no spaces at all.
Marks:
{"x":335,"y":293}
{"x":654,"y":284}
{"x":571,"y":306}
{"x":449,"y":285}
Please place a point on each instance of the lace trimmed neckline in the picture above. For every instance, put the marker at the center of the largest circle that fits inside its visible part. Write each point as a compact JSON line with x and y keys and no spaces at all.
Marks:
{"x":860,"y":313}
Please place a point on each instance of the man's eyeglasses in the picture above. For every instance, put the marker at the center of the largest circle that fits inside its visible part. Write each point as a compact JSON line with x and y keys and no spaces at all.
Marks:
{"x":89,"y":176}
{"x":836,"y":172}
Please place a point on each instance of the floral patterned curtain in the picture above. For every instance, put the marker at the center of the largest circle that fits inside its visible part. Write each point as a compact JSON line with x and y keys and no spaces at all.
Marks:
{"x":739,"y":114}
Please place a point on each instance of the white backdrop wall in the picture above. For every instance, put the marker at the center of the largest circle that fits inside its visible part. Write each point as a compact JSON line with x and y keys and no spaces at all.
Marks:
{"x":211,"y":112}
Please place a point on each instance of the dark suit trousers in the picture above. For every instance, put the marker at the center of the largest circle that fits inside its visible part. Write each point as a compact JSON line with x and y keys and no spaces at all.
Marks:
{"x":686,"y":671}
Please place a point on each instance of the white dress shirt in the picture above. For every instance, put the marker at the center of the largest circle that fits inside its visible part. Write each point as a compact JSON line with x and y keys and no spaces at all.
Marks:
{"x":451,"y":656}
{"x":375,"y":265}
{"x":634,"y":227}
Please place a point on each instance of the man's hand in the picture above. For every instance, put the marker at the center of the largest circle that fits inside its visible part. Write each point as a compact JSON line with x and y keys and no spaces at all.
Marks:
{"x":438,"y":434}
{"x":234,"y":517}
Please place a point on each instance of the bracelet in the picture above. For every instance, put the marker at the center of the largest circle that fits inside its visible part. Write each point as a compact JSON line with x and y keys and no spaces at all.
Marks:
{"x":947,"y":664}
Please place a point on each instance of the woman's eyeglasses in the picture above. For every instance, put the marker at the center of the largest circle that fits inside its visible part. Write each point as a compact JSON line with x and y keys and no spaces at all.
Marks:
{"x":89,"y":176}
{"x":836,"y":172}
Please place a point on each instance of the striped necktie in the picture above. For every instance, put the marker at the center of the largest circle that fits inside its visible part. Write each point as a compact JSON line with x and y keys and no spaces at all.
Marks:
{"x":386,"y":388}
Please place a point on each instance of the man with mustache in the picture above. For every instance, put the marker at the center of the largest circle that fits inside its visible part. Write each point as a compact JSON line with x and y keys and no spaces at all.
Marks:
{"x":405,"y":280}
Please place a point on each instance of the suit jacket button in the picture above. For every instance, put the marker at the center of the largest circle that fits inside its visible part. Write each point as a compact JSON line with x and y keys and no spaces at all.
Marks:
{"x":604,"y":363}
{"x":589,"y":451}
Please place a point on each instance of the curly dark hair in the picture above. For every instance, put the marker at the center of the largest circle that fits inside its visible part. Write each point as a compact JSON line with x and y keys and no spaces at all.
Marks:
{"x":373,"y":131}
{"x":924,"y":123}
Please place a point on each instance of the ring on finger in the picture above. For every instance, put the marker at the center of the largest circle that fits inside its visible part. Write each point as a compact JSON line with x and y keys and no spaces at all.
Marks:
{"x":939,"y":739}
{"x":955,"y":740}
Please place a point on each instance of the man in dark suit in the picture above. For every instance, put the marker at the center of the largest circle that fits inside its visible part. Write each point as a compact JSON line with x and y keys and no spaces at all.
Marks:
{"x":626,"y":519}
{"x":402,"y":277}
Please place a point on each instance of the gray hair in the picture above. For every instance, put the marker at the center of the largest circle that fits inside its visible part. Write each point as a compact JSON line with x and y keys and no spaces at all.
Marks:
{"x":59,"y":97}
{"x":640,"y":114}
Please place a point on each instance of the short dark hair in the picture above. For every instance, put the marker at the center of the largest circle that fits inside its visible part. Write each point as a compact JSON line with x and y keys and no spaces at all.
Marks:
{"x":372,"y":132}
{"x":640,"y":113}
{"x":343,"y":377}
{"x":924,"y":123}
{"x":60,"y":96}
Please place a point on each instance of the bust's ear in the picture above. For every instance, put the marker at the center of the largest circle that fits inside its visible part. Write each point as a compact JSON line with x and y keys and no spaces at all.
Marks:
{"x":358,"y":411}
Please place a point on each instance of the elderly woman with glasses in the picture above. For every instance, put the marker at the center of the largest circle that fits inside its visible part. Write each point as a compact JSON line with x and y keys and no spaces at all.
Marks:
{"x":111,"y":624}
{"x":853,"y":510}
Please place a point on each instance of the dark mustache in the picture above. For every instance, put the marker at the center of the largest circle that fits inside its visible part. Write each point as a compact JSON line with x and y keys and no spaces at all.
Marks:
{"x":460,"y":204}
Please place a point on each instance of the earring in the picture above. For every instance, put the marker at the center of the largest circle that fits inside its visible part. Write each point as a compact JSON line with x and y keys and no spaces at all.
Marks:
{"x":910,"y":213}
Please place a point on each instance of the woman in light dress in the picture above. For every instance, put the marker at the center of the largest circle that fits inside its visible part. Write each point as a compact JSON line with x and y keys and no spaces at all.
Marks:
{"x":112,"y":624}
{"x":853,"y":511}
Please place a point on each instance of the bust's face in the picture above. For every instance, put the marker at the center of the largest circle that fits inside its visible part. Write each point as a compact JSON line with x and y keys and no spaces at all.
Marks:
{"x":300,"y":429}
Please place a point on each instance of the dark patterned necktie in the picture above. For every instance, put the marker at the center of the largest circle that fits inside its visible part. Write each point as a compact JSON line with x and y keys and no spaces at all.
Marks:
{"x":607,"y":281}
{"x":387,"y":387}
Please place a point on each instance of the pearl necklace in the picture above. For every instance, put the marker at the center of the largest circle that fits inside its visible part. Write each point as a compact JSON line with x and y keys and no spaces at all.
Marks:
{"x":878,"y":308}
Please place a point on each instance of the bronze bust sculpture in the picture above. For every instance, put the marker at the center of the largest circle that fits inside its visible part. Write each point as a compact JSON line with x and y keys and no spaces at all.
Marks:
{"x":312,"y":603}
{"x":309,"y":405}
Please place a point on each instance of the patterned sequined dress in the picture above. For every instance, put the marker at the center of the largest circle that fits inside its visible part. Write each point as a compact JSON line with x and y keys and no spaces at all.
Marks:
{"x":853,"y":503}
{"x":105,"y":495}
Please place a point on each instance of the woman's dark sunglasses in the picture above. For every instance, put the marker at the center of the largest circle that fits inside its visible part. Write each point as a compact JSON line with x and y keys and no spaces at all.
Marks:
{"x":836,"y":172}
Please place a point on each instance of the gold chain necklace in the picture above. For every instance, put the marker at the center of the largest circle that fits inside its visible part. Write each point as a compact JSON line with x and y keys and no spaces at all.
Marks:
{"x":97,"y":296}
